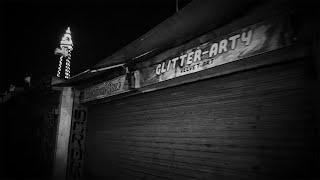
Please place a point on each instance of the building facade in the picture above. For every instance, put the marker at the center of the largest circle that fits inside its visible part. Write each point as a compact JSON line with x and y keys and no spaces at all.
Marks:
{"x":238,"y":101}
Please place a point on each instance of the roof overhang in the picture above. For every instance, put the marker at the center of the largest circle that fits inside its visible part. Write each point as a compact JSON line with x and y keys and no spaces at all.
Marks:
{"x":198,"y":17}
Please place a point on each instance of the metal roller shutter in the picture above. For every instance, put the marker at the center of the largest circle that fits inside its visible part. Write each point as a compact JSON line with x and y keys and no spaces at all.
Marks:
{"x":256,"y":123}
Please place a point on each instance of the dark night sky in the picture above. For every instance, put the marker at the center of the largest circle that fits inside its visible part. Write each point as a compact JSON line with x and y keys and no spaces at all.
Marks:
{"x":31,"y":30}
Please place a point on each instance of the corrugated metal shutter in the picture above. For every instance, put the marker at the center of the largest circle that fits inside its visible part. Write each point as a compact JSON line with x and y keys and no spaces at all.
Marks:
{"x":256,"y":123}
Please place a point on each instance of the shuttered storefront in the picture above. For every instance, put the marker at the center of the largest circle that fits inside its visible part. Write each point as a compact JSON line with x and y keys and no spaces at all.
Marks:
{"x":254,"y":123}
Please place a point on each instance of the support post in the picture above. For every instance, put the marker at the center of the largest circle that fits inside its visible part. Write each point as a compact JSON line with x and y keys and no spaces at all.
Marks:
{"x":63,"y":133}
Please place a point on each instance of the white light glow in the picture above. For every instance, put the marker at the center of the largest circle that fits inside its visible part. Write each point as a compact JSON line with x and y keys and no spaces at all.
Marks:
{"x":66,"y":46}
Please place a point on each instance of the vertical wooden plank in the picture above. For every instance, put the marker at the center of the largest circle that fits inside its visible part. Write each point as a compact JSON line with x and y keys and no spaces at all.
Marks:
{"x":76,"y":154}
{"x":63,"y":133}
